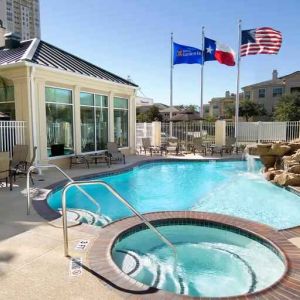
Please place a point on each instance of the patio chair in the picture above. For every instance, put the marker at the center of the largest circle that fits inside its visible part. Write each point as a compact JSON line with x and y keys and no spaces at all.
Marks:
{"x":19,"y":164}
{"x":4,"y":168}
{"x":114,"y":153}
{"x":230,"y":146}
{"x":146,"y":146}
{"x":214,"y":149}
{"x":198,"y":146}
{"x":171,"y":146}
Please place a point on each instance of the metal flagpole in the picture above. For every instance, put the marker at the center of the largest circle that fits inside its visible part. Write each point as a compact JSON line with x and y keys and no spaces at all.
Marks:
{"x":171,"y":87}
{"x":202,"y":71}
{"x":237,"y":101}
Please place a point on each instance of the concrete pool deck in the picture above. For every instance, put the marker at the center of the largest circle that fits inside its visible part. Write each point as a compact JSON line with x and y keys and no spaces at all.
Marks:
{"x":32,"y":263}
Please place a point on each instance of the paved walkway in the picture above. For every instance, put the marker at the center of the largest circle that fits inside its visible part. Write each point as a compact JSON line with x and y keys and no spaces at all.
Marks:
{"x":32,"y":263}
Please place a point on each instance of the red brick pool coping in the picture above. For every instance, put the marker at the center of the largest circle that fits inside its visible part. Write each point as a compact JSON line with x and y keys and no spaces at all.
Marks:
{"x":102,"y":265}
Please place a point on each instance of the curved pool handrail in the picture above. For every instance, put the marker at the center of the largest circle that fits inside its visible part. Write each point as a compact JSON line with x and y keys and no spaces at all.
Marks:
{"x":120,"y":198}
{"x":62,"y":172}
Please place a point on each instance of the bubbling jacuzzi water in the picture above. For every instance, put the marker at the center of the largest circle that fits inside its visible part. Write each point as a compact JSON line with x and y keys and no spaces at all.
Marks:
{"x":210,"y":262}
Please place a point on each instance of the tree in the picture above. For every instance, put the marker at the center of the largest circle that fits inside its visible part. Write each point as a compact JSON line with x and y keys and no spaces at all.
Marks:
{"x":288,"y":108}
{"x":247,"y":109}
{"x":250,"y":109}
{"x":150,"y":115}
{"x":190,"y":107}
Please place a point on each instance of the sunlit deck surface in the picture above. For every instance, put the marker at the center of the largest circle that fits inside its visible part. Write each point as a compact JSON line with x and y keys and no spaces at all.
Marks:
{"x":32,"y":262}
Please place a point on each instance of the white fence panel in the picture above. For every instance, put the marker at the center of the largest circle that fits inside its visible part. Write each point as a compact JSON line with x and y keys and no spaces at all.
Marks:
{"x":247,"y":132}
{"x":143,"y":130}
{"x":271,"y":131}
{"x":11,"y":133}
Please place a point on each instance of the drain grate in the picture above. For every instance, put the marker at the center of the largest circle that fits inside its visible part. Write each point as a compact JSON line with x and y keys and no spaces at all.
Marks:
{"x":75,"y":266}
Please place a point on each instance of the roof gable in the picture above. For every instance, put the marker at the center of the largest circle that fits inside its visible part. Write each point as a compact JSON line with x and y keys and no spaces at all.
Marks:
{"x":279,"y":80}
{"x":45,"y":54}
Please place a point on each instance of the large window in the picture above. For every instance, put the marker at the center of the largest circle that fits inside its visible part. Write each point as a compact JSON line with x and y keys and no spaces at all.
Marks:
{"x":7,"y":103}
{"x":59,"y":113}
{"x":247,"y":95}
{"x":261,"y":93}
{"x":94,"y":122}
{"x":121,"y":121}
{"x":277,"y":92}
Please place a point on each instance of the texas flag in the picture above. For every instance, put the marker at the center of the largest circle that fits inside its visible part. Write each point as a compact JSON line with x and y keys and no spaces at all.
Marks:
{"x":220,"y":52}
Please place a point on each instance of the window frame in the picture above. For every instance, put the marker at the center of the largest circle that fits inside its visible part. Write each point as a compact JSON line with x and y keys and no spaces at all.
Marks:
{"x":128,"y":119}
{"x":94,"y":111}
{"x":73,"y":125}
{"x":262,"y":89}
{"x":276,"y":94}
{"x":11,"y":101}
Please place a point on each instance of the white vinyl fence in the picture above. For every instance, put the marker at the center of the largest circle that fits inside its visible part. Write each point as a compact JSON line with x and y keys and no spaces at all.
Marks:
{"x":143,"y":130}
{"x":11,"y":133}
{"x":264,"y":131}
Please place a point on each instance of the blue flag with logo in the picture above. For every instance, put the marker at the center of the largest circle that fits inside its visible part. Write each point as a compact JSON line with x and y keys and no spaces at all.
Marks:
{"x":186,"y":55}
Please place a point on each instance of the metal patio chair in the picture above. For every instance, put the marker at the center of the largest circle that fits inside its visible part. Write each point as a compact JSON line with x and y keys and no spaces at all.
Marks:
{"x":4,"y":168}
{"x":114,"y":153}
{"x":199,"y":146}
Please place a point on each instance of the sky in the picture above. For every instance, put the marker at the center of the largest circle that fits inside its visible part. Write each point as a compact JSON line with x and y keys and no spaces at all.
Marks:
{"x":132,"y":38}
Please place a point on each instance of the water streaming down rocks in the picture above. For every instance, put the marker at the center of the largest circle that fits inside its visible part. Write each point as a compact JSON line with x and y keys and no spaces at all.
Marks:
{"x":250,"y":162}
{"x":281,"y":161}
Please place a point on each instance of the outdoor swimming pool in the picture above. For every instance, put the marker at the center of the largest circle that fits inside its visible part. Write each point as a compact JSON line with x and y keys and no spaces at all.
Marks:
{"x":220,"y":187}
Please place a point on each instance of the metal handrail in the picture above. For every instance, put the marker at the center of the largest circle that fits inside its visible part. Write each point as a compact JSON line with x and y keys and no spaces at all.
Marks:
{"x":62,"y":172}
{"x":120,"y":198}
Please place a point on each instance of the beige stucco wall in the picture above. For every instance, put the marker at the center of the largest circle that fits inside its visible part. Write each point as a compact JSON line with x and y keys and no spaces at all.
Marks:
{"x":269,"y":101}
{"x":42,"y":77}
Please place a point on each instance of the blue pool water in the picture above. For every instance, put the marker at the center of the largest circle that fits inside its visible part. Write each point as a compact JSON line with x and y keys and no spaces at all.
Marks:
{"x":210,"y":262}
{"x":220,"y":187}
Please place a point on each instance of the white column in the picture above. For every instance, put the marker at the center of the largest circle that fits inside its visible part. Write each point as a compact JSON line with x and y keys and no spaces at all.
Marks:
{"x":132,"y":123}
{"x":111,"y":117}
{"x":156,"y":133}
{"x":77,"y":121}
{"x":220,"y":132}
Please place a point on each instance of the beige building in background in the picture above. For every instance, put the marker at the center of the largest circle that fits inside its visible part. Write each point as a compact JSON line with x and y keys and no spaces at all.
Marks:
{"x":21,"y":17}
{"x":65,"y":101}
{"x":217,"y":105}
{"x":269,"y":92}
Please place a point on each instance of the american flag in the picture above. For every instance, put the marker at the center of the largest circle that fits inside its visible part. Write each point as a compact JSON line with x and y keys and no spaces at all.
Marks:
{"x":264,"y":40}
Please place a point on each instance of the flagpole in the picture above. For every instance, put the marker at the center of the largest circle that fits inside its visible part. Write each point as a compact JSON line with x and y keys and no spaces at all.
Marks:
{"x":171,"y":87}
{"x":237,"y":101}
{"x":202,"y":72}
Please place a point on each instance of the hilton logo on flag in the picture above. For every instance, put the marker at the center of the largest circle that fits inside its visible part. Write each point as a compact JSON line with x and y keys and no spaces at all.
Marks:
{"x":186,"y":55}
{"x":180,"y":52}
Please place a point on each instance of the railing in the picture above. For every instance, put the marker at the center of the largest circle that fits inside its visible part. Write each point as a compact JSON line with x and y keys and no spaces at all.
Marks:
{"x":186,"y":131}
{"x":99,"y":182}
{"x":11,"y":133}
{"x":62,"y":172}
{"x":120,"y":198}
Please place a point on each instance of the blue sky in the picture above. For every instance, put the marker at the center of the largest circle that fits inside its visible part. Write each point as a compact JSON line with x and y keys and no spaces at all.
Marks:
{"x":132,"y":37}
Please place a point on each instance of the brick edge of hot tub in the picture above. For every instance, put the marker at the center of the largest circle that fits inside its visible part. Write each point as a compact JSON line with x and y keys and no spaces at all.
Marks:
{"x":102,"y":264}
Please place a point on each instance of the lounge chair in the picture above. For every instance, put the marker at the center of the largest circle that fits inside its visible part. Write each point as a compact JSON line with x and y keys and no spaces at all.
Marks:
{"x":114,"y":153}
{"x":148,"y":147}
{"x":172,"y":146}
{"x":229,"y":146}
{"x":198,"y":146}
{"x":19,"y":164}
{"x":19,"y":158}
{"x":4,"y":168}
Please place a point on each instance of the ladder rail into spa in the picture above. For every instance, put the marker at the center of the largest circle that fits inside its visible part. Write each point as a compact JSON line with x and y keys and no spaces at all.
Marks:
{"x":120,"y":198}
{"x":77,"y":184}
{"x":38,"y":167}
